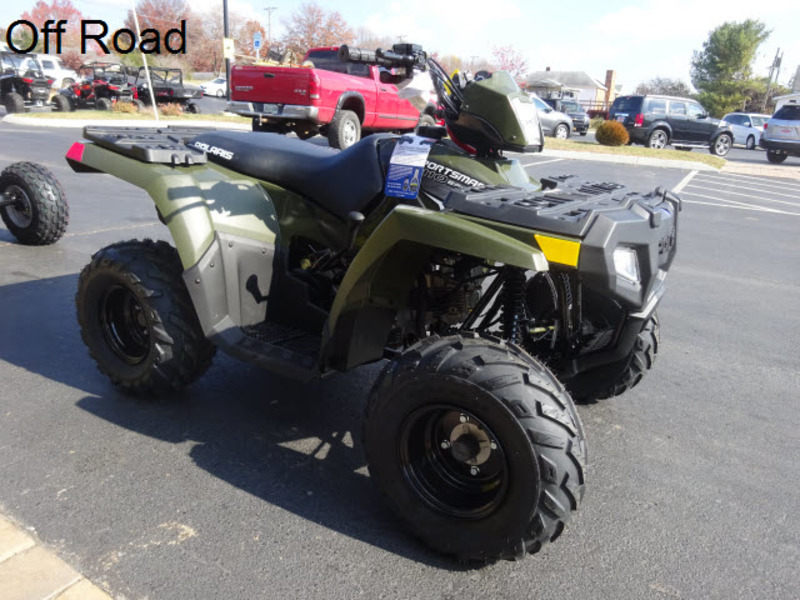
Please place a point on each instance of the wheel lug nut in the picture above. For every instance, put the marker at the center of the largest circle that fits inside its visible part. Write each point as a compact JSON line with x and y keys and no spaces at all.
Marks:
{"x":463,"y":418}
{"x":474,"y":471}
{"x":445,"y":444}
{"x":493,"y":446}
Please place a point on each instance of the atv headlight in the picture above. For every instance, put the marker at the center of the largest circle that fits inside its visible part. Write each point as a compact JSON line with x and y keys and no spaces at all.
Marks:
{"x":626,"y":263}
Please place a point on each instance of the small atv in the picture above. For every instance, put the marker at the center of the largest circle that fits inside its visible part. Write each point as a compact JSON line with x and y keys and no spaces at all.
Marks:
{"x":24,"y":86}
{"x":491,"y":295}
{"x":33,"y":204}
{"x":168,"y":87}
{"x":100,"y":85}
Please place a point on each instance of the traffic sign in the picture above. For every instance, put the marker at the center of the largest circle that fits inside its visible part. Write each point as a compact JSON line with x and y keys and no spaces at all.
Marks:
{"x":257,"y":40}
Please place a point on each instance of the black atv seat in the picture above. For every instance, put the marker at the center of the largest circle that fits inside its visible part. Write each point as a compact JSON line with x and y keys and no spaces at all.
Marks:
{"x":339,"y":181}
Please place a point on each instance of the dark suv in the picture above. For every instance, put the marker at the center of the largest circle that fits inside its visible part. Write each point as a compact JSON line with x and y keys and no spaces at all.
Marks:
{"x":657,"y":121}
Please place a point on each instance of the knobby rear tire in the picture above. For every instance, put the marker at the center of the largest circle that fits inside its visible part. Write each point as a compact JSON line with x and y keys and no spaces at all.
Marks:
{"x":167,"y":350}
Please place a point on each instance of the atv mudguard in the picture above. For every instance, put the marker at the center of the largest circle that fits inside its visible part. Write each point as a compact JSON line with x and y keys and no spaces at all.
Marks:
{"x":379,"y":281}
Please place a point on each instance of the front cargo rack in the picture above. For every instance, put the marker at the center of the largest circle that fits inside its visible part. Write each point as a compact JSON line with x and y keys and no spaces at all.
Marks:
{"x":567,"y":205}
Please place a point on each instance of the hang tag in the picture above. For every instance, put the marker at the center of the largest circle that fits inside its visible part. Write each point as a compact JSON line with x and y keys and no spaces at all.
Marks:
{"x":406,"y":166}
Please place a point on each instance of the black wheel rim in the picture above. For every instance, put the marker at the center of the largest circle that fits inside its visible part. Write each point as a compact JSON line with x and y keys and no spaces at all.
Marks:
{"x":453,"y":461}
{"x":21,"y":212}
{"x":125,"y":325}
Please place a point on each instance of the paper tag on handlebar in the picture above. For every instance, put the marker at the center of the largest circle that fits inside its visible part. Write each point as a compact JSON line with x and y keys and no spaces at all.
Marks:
{"x":406,"y":166}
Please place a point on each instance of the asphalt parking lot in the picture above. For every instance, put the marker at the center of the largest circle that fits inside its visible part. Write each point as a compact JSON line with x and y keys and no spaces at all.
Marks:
{"x":251,"y":486}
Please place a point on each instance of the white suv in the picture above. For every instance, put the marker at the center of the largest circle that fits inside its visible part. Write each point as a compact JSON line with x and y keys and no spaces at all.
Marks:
{"x":746,"y":128}
{"x":55,"y":69}
{"x":781,"y":135}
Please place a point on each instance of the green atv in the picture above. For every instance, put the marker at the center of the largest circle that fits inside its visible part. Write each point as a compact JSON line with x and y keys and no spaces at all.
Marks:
{"x":491,"y":296}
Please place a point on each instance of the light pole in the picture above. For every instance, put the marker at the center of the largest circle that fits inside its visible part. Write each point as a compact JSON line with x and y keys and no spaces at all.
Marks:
{"x":225,"y":34}
{"x":269,"y":10}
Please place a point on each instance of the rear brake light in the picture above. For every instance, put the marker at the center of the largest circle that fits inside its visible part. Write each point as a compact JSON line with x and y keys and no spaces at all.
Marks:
{"x":765,"y":126}
{"x":113,"y":87}
{"x":639,"y":120}
{"x":76,"y":152}
{"x":50,"y":81}
{"x":313,"y":86}
{"x":27,"y":80}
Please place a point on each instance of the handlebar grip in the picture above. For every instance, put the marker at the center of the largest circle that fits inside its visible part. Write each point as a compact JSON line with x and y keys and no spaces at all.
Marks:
{"x":357,"y":55}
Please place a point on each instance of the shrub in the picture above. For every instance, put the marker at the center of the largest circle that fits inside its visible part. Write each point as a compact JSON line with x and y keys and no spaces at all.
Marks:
{"x":611,"y":133}
{"x":171,"y":110}
{"x":596,"y":122}
{"x":124,"y":107}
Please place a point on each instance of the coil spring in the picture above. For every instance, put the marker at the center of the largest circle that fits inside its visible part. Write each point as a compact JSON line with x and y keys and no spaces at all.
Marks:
{"x":513,"y":304}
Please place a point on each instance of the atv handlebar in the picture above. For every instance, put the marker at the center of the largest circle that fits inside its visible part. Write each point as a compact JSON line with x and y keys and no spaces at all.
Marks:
{"x":401,"y":55}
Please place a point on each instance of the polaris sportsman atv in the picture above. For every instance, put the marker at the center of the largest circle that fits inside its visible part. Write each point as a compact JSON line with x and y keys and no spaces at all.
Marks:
{"x":491,"y":295}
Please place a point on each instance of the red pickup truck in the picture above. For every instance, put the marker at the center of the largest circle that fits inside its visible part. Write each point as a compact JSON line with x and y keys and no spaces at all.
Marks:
{"x":337,"y":99}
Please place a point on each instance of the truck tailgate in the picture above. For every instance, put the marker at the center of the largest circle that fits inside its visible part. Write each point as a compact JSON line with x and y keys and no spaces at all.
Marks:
{"x":278,"y":85}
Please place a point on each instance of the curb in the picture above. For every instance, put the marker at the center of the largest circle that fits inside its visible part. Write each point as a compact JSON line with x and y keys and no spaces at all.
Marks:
{"x":30,"y":572}
{"x":630,"y":160}
{"x":81,"y":123}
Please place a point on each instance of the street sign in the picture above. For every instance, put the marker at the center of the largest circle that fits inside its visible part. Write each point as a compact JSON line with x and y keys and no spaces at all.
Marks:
{"x":257,"y":40}
{"x":228,"y":49}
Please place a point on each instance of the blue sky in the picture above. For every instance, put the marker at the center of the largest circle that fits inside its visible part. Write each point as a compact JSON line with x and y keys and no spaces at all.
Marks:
{"x":639,"y":39}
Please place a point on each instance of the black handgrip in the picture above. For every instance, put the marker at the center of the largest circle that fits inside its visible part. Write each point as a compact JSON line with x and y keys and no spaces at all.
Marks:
{"x":357,"y":55}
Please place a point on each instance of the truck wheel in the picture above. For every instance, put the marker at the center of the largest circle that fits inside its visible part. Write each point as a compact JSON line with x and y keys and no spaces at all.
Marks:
{"x":61,"y":103}
{"x":104,"y":104}
{"x":40,"y":212}
{"x":722,"y":145}
{"x":138,"y":321}
{"x":616,"y":379}
{"x":657,"y":139}
{"x":14,"y":103}
{"x":776,"y":158}
{"x":344,"y":130}
{"x":477,"y":446}
{"x":192,"y":108}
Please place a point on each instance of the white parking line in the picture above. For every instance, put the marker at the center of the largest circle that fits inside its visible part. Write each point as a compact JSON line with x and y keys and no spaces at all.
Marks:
{"x":747,"y":186}
{"x":727,"y":203}
{"x":543,"y":162}
{"x":765,"y":181}
{"x":762,"y":198}
{"x":684,"y":182}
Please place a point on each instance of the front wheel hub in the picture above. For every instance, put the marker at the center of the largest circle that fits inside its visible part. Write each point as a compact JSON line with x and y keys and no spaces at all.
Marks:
{"x":453,"y":461}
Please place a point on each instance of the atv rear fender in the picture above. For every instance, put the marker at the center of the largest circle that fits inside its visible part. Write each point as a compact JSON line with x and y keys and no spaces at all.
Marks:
{"x":385,"y":270}
{"x":223,"y":225}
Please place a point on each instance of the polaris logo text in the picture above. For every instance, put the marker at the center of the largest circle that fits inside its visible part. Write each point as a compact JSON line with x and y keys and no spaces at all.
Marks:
{"x":222,"y":153}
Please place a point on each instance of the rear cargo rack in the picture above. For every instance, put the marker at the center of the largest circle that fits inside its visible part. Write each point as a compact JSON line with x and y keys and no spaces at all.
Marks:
{"x":164,"y":145}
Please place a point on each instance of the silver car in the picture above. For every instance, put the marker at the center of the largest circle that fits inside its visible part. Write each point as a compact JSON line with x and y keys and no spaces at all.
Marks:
{"x":554,"y":123}
{"x":746,"y":128}
{"x":781,"y":135}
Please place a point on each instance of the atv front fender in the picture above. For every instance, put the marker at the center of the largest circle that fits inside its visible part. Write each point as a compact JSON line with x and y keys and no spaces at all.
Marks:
{"x":378,"y":283}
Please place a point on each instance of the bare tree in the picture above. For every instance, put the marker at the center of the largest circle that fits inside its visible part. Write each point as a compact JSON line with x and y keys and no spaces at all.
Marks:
{"x":511,"y":60}
{"x":311,"y":26}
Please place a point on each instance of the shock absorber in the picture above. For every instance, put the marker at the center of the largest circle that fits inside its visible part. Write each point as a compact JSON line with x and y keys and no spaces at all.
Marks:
{"x":513,"y":304}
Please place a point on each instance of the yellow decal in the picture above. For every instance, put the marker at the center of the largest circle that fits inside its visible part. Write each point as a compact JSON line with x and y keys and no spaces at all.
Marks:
{"x":558,"y":250}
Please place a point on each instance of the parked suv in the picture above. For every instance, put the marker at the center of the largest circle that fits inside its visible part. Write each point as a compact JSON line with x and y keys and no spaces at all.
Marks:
{"x":781,"y":135}
{"x":657,"y":121}
{"x":746,"y":127}
{"x":580,"y":118}
{"x":554,"y":123}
